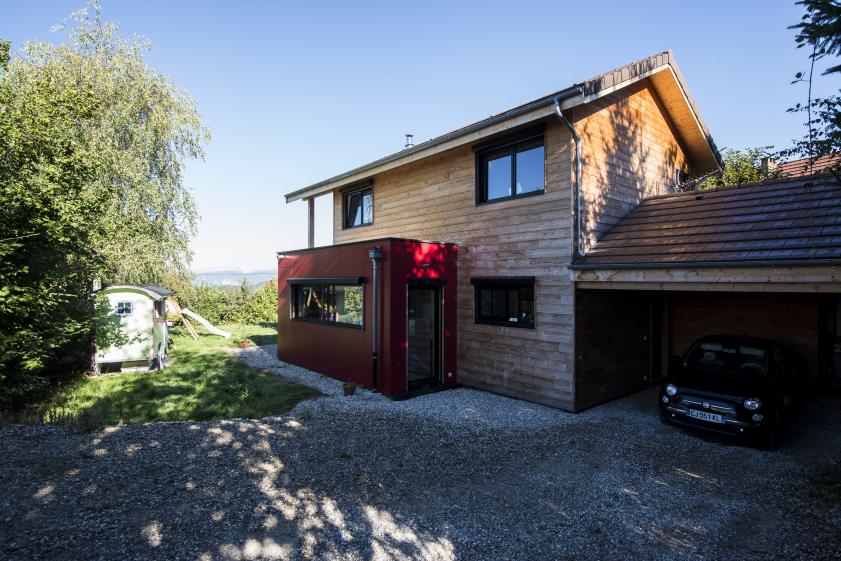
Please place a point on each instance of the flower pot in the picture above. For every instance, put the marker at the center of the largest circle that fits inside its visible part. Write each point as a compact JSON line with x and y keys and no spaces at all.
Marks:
{"x":349,"y":388}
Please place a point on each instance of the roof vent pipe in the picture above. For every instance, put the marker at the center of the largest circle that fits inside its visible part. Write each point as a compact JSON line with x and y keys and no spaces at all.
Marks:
{"x":575,"y":205}
{"x":409,"y":141}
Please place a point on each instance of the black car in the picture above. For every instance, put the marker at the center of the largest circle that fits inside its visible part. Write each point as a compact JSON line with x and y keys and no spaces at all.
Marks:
{"x":739,"y":386}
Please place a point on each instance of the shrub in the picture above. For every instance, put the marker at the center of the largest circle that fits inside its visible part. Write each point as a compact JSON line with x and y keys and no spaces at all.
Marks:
{"x":242,"y":304}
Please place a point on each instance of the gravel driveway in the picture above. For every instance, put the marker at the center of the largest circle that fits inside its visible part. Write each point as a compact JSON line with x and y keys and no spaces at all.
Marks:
{"x":459,"y":474}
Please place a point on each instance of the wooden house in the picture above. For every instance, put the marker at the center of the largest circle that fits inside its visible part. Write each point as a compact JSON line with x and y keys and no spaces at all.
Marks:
{"x":581,"y":265}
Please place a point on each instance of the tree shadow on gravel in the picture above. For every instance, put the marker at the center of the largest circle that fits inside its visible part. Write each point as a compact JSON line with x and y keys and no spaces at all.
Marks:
{"x":227,"y":490}
{"x":327,"y":484}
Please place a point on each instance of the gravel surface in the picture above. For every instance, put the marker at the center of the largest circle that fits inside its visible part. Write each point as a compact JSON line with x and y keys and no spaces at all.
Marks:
{"x":458,"y":474}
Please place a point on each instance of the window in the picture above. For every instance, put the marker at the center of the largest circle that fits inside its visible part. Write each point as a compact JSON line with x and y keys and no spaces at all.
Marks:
{"x":505,"y":301}
{"x":359,"y":207}
{"x":123,"y":309}
{"x":328,"y":301}
{"x":511,"y":167}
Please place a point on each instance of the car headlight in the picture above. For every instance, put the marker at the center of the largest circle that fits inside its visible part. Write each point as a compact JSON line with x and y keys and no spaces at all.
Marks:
{"x":671,"y":389}
{"x":752,"y":404}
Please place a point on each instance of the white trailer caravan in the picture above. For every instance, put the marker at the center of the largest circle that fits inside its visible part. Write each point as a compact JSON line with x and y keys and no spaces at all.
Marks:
{"x":141,"y":312}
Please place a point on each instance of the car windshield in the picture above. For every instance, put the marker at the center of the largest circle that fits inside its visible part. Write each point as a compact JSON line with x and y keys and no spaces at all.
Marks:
{"x":730,"y":358}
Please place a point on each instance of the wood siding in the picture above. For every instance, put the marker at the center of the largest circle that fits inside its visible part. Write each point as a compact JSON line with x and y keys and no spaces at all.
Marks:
{"x":630,"y":151}
{"x":616,"y":344}
{"x":716,"y":279}
{"x":434,"y":199}
{"x":789,"y":319}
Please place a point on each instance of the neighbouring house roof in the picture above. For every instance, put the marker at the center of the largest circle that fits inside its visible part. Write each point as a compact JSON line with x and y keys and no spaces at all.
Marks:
{"x":795,"y":168}
{"x":787,"y":221}
{"x":660,"y":67}
{"x":152,"y":291}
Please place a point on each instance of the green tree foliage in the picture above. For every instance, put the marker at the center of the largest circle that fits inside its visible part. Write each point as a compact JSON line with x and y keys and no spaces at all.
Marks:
{"x":243,"y":305}
{"x":819,"y":31}
{"x":92,"y":143}
{"x":741,"y":166}
{"x":262,"y":305}
{"x":5,"y":47}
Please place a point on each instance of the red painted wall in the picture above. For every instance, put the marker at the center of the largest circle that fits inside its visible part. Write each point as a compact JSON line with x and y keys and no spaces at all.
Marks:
{"x":345,"y":352}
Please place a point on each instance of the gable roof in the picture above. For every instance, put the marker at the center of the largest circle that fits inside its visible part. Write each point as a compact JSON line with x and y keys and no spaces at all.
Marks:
{"x":661,"y":67}
{"x":792,"y":221}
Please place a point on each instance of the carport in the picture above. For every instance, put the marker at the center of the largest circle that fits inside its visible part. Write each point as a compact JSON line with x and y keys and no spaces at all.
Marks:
{"x":760,"y":259}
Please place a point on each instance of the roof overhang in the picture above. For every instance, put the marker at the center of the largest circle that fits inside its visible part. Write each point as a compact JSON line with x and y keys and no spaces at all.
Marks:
{"x":660,"y":68}
{"x":790,"y":276}
{"x":155,"y":293}
{"x":524,"y":114}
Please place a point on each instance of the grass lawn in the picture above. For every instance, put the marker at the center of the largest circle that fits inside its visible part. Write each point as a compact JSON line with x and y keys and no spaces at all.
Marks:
{"x":204,"y":381}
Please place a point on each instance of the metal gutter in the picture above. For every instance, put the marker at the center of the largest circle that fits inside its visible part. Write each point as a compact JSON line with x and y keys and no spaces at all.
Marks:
{"x":492,"y":120}
{"x":703,"y":265}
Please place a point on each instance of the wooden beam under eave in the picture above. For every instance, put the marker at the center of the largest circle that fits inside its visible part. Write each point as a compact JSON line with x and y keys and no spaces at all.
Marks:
{"x":808,"y":288}
{"x":311,"y":222}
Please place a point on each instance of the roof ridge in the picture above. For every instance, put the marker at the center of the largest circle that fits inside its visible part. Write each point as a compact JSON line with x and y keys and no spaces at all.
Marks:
{"x":584,"y":91}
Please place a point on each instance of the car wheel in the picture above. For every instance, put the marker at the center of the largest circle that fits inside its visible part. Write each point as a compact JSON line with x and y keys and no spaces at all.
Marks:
{"x":664,"y":419}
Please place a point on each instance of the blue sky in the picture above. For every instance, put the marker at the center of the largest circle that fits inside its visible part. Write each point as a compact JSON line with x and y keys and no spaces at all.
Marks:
{"x":297,"y":92}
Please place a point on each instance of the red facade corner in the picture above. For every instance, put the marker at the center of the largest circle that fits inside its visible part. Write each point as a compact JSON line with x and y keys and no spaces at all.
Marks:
{"x":412,"y":342}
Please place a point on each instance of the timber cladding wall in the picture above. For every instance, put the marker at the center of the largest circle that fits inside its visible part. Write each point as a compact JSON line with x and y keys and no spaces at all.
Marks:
{"x":615,"y":342}
{"x":789,"y":318}
{"x":630,"y":151}
{"x":435,"y":199}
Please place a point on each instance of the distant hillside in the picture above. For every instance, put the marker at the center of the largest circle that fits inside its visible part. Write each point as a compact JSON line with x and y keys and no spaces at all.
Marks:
{"x":233,"y":278}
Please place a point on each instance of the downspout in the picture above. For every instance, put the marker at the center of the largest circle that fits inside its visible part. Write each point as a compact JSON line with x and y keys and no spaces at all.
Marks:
{"x":574,"y":208}
{"x":575,"y":205}
{"x":375,"y":254}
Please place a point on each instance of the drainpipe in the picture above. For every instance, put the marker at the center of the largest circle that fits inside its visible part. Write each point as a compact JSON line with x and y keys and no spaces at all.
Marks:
{"x":375,"y":254}
{"x":575,"y":205}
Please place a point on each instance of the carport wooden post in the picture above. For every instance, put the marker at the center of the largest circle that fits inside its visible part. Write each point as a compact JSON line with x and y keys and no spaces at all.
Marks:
{"x":311,"y":222}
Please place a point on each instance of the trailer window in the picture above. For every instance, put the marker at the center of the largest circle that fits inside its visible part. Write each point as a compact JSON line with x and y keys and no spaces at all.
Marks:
{"x":123,"y":309}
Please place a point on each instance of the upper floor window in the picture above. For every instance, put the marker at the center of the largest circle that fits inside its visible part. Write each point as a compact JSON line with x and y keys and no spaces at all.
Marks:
{"x":511,"y":167}
{"x":359,"y":207}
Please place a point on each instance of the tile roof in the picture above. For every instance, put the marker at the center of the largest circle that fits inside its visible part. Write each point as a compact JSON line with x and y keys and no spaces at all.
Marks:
{"x":782,"y":220}
{"x":796,"y":168}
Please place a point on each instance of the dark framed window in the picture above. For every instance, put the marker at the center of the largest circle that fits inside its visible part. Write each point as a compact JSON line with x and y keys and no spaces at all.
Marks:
{"x":505,"y":301}
{"x":511,"y":167}
{"x":359,"y":207}
{"x":331,"y":301}
{"x":124,"y":309}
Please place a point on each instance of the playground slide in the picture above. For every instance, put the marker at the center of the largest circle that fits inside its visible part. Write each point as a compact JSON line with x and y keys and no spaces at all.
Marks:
{"x":207,"y":325}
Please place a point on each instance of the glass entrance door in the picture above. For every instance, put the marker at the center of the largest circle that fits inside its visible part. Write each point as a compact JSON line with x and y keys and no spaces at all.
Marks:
{"x":423,"y":349}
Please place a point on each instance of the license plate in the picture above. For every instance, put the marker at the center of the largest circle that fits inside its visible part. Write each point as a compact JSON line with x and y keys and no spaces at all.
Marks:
{"x":704,"y":416}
